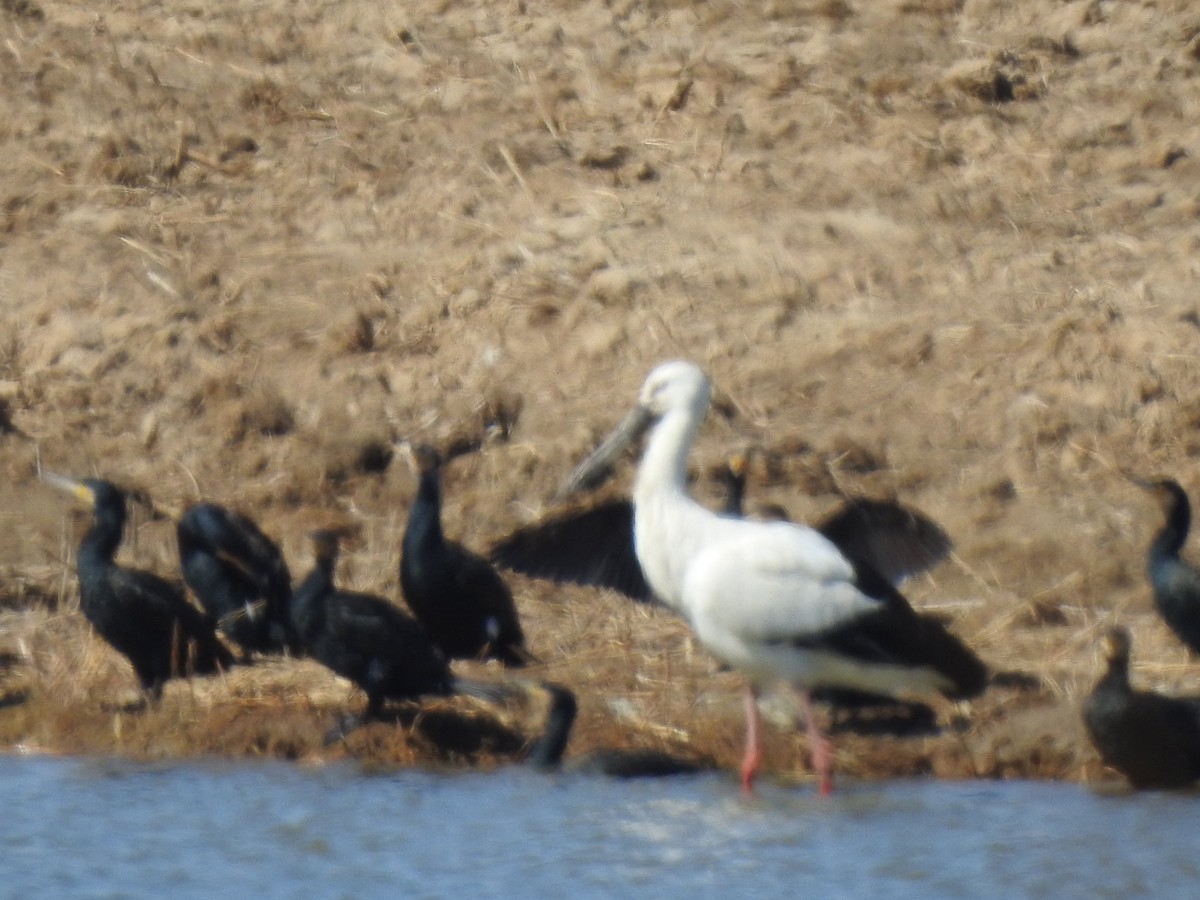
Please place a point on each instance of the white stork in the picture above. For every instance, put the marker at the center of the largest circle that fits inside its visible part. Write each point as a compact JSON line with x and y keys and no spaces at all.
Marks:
{"x":778,"y":601}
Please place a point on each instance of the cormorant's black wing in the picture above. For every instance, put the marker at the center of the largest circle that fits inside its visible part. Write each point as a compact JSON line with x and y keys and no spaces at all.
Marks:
{"x":893,"y":540}
{"x":240,"y":542}
{"x":1182,"y":715}
{"x":373,"y":624}
{"x":592,"y":547}
{"x":374,"y":643}
{"x":475,"y":580}
{"x":147,"y":599}
{"x":157,"y":610}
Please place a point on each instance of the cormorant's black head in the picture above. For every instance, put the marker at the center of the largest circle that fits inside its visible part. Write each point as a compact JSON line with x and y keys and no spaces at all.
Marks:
{"x":562,"y":702}
{"x":423,"y":458}
{"x":738,"y":465}
{"x":732,"y":471}
{"x":104,"y":495}
{"x":1166,"y":491}
{"x":547,"y":751}
{"x":325,"y":545}
{"x":1117,"y":645}
{"x":101,"y":496}
{"x":731,"y":474}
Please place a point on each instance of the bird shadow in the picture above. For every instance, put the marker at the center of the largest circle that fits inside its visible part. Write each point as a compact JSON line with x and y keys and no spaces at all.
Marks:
{"x":444,"y":734}
{"x":1015,"y":679}
{"x":917,"y":721}
{"x":134,"y":705}
{"x":861,"y":713}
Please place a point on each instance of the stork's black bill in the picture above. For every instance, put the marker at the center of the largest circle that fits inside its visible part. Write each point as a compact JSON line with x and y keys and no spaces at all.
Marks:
{"x":597,"y":468}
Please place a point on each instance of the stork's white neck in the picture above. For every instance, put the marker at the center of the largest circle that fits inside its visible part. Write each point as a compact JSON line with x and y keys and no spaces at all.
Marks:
{"x":664,"y":461}
{"x":662,"y":507}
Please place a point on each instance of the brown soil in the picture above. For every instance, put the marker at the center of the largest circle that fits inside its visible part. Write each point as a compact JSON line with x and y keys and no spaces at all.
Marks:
{"x":942,"y":249}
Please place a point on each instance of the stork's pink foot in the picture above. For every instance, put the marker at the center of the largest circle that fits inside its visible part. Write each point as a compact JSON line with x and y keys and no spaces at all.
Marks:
{"x":750,"y":764}
{"x":822,"y":760}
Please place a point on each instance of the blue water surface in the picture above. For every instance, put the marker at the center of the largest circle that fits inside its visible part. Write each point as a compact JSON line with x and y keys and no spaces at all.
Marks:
{"x":107,"y":828}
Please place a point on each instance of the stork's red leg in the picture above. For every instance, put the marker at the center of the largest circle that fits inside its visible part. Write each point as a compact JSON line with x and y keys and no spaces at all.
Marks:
{"x":753,"y":757}
{"x":818,"y":745}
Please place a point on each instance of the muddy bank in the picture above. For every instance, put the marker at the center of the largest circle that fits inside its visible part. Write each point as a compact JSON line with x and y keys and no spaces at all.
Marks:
{"x":938,"y":250}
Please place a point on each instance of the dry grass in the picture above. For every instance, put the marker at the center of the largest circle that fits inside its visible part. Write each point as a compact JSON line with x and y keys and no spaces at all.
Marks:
{"x":938,"y":249}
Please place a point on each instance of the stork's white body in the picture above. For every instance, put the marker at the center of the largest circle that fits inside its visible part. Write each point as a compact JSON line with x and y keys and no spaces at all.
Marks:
{"x":759,"y":595}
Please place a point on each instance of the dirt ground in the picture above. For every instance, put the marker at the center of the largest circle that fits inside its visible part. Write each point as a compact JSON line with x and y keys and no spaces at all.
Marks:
{"x":939,"y":249}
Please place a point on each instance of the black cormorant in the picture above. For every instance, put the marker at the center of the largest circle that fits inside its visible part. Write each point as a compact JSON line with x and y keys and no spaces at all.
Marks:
{"x":238,"y":574}
{"x":731,"y":475}
{"x":140,"y":614}
{"x":1152,"y":740}
{"x":461,"y":600}
{"x":547,"y":751}
{"x":369,"y":640}
{"x":1176,"y":583}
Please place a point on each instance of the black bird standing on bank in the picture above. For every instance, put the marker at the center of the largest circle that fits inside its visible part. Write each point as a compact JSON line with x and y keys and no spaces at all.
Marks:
{"x":546,"y":753}
{"x":461,"y":600}
{"x":370,"y":641}
{"x":1151,"y":739}
{"x":145,"y":617}
{"x":732,"y":477}
{"x":239,"y":576}
{"x":1176,"y":583}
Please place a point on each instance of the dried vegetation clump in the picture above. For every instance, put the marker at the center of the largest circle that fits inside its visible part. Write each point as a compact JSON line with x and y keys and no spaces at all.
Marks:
{"x":937,"y":249}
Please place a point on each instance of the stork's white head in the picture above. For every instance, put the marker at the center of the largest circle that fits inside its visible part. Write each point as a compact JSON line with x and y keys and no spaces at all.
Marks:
{"x":675,"y":385}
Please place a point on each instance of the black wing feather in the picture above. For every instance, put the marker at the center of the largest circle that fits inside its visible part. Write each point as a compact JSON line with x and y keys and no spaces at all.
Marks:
{"x":595,"y":546}
{"x":592,"y":547}
{"x":896,"y":634}
{"x":891,"y":539}
{"x":237,"y":539}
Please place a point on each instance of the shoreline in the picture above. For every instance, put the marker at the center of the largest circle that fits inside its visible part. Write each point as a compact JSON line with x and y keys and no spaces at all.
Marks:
{"x":281,"y":709}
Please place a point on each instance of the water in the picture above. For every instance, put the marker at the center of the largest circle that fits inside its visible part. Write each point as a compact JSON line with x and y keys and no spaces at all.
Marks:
{"x":102,"y":828}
